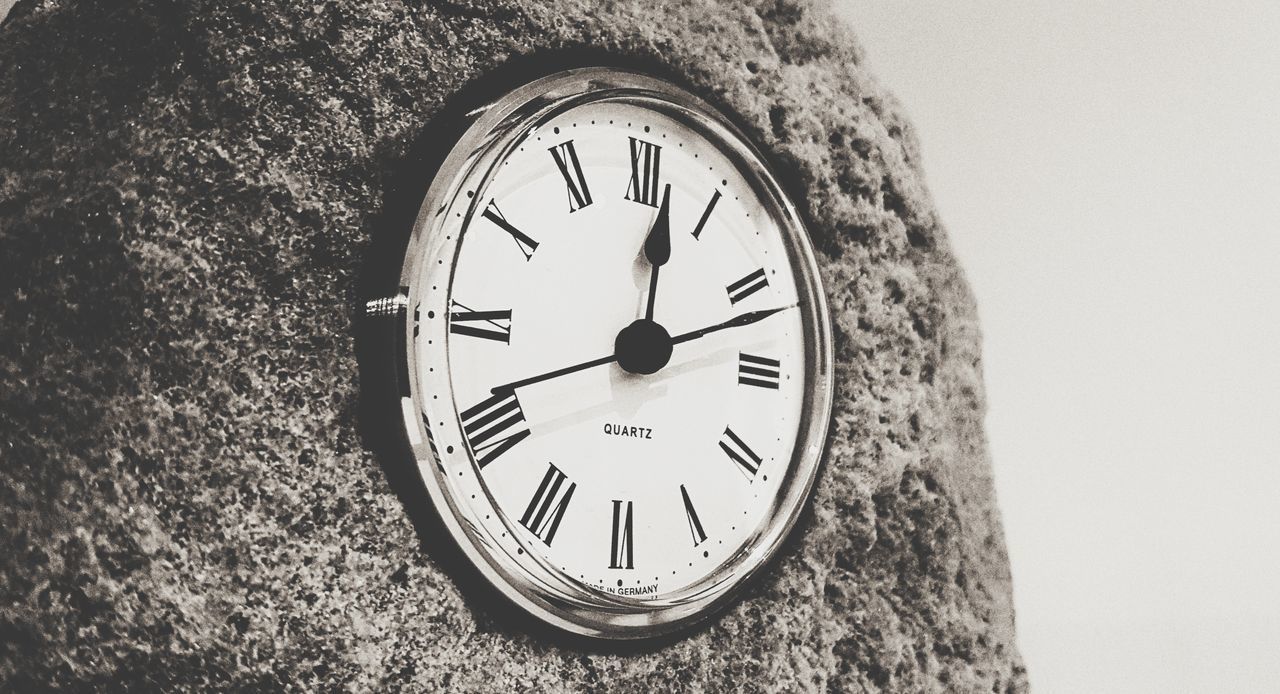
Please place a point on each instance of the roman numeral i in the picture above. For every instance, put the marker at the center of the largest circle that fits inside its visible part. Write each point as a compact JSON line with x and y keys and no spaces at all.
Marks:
{"x":620,"y":551}
{"x":567,"y":161}
{"x":546,"y":509}
{"x":494,"y":426}
{"x":487,"y":325}
{"x":645,"y":160}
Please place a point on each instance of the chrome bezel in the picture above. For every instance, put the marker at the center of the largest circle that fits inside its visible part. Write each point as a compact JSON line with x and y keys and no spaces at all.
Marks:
{"x":527,"y":580}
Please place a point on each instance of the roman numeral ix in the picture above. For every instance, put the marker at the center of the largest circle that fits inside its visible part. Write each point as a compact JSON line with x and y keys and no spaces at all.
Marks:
{"x":620,"y":551}
{"x":487,"y":325}
{"x":526,"y":245}
{"x":567,"y":161}
{"x":740,"y":453}
{"x":761,"y":372}
{"x":546,"y":509}
{"x":747,"y":286}
{"x":695,"y":525}
{"x":643,"y":186}
{"x":494,"y":426}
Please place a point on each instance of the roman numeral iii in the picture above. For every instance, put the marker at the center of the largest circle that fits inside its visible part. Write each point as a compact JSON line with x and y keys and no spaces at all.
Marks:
{"x":761,"y":372}
{"x":645,"y":158}
{"x":546,"y":509}
{"x":695,"y":525}
{"x":494,"y":426}
{"x":620,"y":552}
{"x":567,"y":161}
{"x":486,"y":325}
{"x":740,"y":453}
{"x":747,"y":286}
{"x":526,"y":245}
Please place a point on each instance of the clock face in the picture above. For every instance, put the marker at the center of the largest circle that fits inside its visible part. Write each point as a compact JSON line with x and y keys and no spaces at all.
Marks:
{"x":617,"y":356}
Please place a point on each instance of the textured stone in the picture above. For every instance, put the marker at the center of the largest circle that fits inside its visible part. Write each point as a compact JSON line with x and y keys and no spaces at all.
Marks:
{"x":188,"y":190}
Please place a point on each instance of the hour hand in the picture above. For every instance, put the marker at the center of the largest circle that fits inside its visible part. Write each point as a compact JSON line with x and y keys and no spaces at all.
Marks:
{"x":657,"y":247}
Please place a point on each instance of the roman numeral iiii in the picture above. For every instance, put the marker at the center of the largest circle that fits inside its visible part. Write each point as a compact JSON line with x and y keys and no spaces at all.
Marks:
{"x":567,"y":161}
{"x":761,"y":372}
{"x":645,"y":160}
{"x":739,"y":452}
{"x":620,"y":551}
{"x":494,"y":426}
{"x":546,"y":509}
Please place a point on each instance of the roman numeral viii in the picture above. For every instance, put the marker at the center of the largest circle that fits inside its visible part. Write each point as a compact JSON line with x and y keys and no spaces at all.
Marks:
{"x":546,"y":509}
{"x":645,"y":158}
{"x":620,"y":551}
{"x":740,"y":453}
{"x":695,"y":525}
{"x":747,"y":286}
{"x":761,"y":372}
{"x":526,"y":245}
{"x":487,"y":325}
{"x":567,"y":161}
{"x":494,"y":426}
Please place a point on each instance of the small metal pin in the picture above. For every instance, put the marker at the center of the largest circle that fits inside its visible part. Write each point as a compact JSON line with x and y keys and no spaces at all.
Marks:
{"x":386,"y":307}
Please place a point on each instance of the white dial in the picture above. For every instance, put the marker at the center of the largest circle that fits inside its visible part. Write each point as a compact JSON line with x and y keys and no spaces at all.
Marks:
{"x":615,"y":359}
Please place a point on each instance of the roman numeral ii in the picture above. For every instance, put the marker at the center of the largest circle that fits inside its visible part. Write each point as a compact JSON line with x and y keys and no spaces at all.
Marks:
{"x":747,"y":286}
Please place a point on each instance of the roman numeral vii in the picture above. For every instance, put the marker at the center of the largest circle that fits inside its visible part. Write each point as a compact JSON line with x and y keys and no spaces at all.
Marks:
{"x":620,"y":551}
{"x":546,"y":509}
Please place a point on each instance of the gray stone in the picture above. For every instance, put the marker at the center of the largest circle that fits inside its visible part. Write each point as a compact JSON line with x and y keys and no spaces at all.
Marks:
{"x":188,"y":190}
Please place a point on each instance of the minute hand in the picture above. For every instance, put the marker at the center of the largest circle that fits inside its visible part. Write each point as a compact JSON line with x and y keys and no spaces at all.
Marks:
{"x":735,"y":322}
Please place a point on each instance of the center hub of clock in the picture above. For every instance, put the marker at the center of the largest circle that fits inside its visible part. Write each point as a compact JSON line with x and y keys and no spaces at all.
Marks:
{"x":643,"y":347}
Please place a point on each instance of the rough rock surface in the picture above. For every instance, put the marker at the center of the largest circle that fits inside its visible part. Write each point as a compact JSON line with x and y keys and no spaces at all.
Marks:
{"x":188,"y":189}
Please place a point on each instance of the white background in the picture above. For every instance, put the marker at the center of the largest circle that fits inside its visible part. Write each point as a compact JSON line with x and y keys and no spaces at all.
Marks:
{"x":1109,"y":173}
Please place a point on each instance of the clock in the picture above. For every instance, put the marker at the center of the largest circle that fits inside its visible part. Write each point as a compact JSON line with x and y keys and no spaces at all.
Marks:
{"x":614,"y":357}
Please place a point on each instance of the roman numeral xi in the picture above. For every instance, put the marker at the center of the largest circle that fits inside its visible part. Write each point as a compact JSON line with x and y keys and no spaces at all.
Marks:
{"x":567,"y":161}
{"x":546,"y":509}
{"x":643,"y":186}
{"x":494,"y":426}
{"x":620,"y":552}
{"x":761,"y":372}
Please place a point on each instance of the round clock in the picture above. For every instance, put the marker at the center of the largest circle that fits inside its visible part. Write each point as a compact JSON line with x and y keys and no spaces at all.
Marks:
{"x":615,"y":356}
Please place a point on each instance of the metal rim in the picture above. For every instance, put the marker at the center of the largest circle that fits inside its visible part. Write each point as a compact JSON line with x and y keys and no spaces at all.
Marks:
{"x":428,"y":264}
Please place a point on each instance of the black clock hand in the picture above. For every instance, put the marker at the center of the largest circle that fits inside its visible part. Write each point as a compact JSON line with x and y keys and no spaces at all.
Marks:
{"x":735,"y":322}
{"x":509,"y":387}
{"x":657,"y":247}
